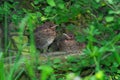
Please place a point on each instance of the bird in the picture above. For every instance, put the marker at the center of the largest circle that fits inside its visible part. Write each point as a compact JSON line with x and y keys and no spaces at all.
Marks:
{"x":44,"y":35}
{"x":68,"y":43}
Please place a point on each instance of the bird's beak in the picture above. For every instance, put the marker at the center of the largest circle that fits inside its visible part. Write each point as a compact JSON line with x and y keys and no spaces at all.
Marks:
{"x":66,"y":35}
{"x":54,"y":26}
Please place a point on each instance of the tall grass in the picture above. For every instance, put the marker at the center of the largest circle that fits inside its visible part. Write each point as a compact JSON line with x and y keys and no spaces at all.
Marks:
{"x":2,"y":70}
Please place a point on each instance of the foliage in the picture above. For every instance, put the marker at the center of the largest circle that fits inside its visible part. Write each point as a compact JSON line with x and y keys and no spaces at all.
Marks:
{"x":94,"y":22}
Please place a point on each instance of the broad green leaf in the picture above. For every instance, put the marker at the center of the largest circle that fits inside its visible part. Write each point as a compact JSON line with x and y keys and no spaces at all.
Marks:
{"x":51,"y":2}
{"x":100,"y":75}
{"x":114,"y":12}
{"x":61,"y":5}
{"x":43,"y":18}
{"x":109,"y":18}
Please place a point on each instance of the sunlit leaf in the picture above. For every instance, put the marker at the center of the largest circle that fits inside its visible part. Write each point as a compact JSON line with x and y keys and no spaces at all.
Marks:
{"x":100,"y":75}
{"x":109,"y":18}
{"x":70,"y":76}
{"x":61,"y":5}
{"x":114,"y":12}
{"x":46,"y":71}
{"x":51,"y":2}
{"x":110,"y":1}
{"x":43,"y":18}
{"x":97,"y":1}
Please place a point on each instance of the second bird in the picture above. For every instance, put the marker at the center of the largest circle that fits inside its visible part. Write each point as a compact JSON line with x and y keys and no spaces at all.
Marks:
{"x":68,"y":43}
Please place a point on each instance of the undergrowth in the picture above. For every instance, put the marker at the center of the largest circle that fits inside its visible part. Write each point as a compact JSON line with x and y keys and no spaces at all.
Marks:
{"x":94,"y":22}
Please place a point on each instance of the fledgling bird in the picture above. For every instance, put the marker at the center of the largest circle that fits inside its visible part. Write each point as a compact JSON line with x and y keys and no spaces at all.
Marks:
{"x":44,"y":35}
{"x":68,"y":43}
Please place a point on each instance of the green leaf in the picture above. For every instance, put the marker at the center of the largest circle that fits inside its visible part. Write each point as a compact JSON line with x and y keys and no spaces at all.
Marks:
{"x":38,"y":14}
{"x":2,"y":76}
{"x":14,"y":16}
{"x":61,"y":5}
{"x":43,"y":18}
{"x":100,"y":75}
{"x":110,"y":1}
{"x":70,"y":76}
{"x":114,"y":12}
{"x":109,"y":18}
{"x":97,"y":1}
{"x":46,"y":71}
{"x":51,"y":2}
{"x":36,"y":1}
{"x":48,"y":9}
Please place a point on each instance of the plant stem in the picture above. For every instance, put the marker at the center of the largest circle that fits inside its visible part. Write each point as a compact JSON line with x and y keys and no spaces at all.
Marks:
{"x":5,"y":28}
{"x":97,"y":64}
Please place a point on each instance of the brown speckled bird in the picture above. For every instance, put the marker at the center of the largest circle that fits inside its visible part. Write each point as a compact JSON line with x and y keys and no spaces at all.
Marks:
{"x":44,"y":35}
{"x":68,"y":43}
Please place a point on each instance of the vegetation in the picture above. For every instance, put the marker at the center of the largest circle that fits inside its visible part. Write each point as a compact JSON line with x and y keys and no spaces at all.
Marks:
{"x":94,"y":22}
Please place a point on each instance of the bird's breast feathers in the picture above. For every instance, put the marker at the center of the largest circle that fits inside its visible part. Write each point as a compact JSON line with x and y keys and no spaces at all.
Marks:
{"x":50,"y":40}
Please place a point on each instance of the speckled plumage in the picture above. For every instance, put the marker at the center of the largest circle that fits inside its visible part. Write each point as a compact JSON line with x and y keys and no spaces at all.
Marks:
{"x":68,"y":43}
{"x":44,"y":35}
